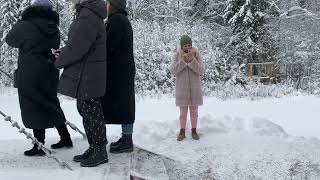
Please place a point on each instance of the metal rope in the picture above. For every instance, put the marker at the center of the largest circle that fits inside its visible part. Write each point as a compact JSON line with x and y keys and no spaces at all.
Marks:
{"x":35,"y":141}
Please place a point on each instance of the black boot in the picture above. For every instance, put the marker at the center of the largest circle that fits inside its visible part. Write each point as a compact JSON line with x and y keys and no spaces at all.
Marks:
{"x":125,"y":145}
{"x":40,"y":136}
{"x":34,"y":151}
{"x":97,"y":157}
{"x":84,"y":156}
{"x":114,"y":144}
{"x":65,"y":140}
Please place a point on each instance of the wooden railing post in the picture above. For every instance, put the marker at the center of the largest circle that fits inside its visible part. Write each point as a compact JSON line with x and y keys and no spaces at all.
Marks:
{"x":250,"y":71}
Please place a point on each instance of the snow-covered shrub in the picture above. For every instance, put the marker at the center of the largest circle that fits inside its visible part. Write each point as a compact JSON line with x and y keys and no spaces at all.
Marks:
{"x":252,"y":90}
{"x":227,"y":33}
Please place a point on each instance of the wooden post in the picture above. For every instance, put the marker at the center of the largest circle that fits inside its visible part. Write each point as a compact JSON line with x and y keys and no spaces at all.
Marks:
{"x":250,"y":71}
{"x":269,"y":67}
{"x":178,"y":12}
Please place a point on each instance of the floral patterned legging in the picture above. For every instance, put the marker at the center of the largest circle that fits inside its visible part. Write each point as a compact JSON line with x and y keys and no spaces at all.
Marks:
{"x":93,"y":121}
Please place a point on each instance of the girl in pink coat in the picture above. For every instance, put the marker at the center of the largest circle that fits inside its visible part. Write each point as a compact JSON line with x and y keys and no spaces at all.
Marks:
{"x":187,"y":66}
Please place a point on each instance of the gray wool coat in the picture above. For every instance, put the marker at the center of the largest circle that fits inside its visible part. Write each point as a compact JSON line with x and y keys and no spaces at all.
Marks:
{"x":188,"y":78}
{"x":84,"y":56}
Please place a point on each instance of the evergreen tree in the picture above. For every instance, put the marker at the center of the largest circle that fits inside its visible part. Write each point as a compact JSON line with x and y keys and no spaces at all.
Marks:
{"x":22,"y":5}
{"x":64,"y":9}
{"x":9,"y":10}
{"x":251,"y":40}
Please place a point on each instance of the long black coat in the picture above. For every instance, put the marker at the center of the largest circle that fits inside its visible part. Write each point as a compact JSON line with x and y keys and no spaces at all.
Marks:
{"x":119,"y":101}
{"x":84,"y":56}
{"x":35,"y":34}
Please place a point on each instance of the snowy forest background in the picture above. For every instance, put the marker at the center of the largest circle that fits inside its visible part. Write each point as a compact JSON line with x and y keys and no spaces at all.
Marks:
{"x":229,"y":34}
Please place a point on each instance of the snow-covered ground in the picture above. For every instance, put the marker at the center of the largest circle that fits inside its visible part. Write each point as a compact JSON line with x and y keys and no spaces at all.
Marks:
{"x":240,"y":139}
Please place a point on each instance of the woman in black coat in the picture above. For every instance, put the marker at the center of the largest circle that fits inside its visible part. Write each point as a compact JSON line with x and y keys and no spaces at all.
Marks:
{"x":119,"y":101}
{"x":37,"y":78}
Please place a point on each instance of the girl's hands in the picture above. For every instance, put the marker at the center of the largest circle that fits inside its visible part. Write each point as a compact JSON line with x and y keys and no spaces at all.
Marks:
{"x":187,"y":58}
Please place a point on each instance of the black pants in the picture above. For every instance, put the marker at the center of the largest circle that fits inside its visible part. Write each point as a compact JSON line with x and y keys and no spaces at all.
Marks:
{"x":93,"y":121}
{"x":40,"y":134}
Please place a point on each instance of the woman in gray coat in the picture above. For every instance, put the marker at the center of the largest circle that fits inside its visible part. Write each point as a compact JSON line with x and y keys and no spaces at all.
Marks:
{"x":84,"y":76}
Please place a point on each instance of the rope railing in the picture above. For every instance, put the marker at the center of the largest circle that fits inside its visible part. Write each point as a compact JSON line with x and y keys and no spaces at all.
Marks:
{"x":75,"y":128}
{"x":47,"y":151}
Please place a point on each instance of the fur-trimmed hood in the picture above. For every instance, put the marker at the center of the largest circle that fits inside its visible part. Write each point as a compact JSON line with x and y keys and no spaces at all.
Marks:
{"x":43,"y":17}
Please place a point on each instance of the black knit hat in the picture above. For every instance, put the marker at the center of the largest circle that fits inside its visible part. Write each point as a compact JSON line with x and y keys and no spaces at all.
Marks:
{"x":119,"y":4}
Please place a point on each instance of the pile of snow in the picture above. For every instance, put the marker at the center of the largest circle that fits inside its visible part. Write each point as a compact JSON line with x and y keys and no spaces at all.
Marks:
{"x":235,"y":148}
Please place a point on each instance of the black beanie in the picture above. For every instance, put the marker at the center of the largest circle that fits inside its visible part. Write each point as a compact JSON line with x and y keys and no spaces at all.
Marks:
{"x":119,"y":4}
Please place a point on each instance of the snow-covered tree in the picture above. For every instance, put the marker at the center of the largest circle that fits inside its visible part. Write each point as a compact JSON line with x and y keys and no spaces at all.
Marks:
{"x":22,"y":5}
{"x":211,"y":11}
{"x":9,"y":10}
{"x":298,"y":37}
{"x":64,"y":8}
{"x":227,"y":33}
{"x":151,"y":10}
{"x":251,"y":40}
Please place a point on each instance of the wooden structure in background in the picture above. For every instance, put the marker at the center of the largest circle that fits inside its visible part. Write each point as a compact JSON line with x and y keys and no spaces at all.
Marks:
{"x":268,"y":75}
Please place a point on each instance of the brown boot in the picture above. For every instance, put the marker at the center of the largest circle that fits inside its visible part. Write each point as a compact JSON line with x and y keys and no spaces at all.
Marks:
{"x":194,"y":134}
{"x":181,"y":135}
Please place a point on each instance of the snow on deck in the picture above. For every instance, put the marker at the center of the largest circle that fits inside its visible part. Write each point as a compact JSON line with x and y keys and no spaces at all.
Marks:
{"x":240,"y":139}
